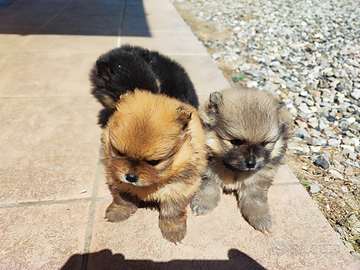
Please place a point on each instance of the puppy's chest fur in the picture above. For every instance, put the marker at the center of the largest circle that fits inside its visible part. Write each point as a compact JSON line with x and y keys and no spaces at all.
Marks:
{"x":231,"y":180}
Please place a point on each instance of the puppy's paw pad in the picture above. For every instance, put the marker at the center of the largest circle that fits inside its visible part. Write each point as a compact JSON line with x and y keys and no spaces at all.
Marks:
{"x":173,"y":230}
{"x":118,"y":213}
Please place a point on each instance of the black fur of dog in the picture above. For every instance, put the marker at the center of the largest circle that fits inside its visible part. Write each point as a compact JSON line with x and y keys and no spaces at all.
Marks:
{"x":128,"y":67}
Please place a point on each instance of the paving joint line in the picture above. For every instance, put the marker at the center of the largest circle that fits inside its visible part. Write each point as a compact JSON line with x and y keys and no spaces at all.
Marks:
{"x":286,"y":184}
{"x":53,"y":17}
{"x":48,"y":97}
{"x":51,"y":202}
{"x":31,"y":35}
{"x":45,"y":202}
{"x":187,"y":54}
{"x":121,"y":22}
{"x":91,"y":219}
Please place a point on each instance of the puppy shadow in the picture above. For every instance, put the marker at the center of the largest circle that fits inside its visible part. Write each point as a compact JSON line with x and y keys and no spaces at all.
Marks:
{"x":104,"y":259}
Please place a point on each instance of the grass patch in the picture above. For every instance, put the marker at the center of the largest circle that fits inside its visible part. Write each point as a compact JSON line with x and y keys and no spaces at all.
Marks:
{"x":306,"y":184}
{"x":237,"y":77}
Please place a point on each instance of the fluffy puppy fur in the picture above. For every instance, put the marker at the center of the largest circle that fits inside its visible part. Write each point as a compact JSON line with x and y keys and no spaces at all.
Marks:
{"x":129,"y":67}
{"x":153,"y":151}
{"x":247,"y":132}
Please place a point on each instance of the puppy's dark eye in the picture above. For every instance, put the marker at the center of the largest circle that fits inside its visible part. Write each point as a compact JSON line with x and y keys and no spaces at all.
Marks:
{"x":237,"y":142}
{"x":263,"y":144}
{"x":153,"y":162}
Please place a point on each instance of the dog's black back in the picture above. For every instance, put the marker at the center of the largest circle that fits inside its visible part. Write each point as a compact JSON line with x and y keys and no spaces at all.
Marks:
{"x":129,"y":67}
{"x":174,"y":80}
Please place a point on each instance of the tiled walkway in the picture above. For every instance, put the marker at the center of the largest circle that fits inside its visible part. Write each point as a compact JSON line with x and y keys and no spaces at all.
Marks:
{"x":52,"y":190}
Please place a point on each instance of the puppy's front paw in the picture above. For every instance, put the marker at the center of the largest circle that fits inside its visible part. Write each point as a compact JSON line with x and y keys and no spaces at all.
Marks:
{"x":261,"y":223}
{"x":255,"y":210}
{"x":205,"y":201}
{"x":173,"y":230}
{"x":200,"y":208}
{"x":117,"y":213}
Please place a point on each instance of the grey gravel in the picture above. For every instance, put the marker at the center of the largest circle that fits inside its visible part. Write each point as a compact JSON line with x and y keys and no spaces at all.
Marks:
{"x":216,"y":56}
{"x":322,"y":162}
{"x":314,"y":188}
{"x":336,"y":173}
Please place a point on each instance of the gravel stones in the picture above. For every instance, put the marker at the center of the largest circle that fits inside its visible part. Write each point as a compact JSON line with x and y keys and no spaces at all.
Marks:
{"x":314,"y":188}
{"x":302,"y":133}
{"x":331,"y":118}
{"x":355,"y":94}
{"x":216,"y":56}
{"x":336,"y":174}
{"x":322,"y":162}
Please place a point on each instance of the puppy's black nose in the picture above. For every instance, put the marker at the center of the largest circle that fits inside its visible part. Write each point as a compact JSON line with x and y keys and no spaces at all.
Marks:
{"x":251,"y":163}
{"x":131,"y":177}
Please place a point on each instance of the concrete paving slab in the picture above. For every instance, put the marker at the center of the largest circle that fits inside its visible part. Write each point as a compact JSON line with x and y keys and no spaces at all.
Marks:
{"x":42,"y":236}
{"x":49,"y":148}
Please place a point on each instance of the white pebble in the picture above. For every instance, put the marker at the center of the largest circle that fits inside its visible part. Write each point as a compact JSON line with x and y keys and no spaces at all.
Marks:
{"x":355,"y":141}
{"x":355,"y":94}
{"x":351,"y":120}
{"x":336,"y":173}
{"x":347,"y":149}
{"x":216,"y":56}
{"x":314,"y":188}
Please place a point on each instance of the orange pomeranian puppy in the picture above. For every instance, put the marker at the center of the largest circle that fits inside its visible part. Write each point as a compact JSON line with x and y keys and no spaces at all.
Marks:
{"x":153,"y":151}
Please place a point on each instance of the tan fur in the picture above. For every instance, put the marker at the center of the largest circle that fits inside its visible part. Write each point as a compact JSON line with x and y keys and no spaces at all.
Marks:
{"x":147,"y":128}
{"x":247,"y":133}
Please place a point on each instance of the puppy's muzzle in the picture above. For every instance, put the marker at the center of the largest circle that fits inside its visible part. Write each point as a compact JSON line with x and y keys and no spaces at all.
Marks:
{"x":131,"y":178}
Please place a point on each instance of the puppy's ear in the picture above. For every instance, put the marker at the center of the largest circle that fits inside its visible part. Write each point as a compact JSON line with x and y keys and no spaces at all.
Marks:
{"x":284,"y":120}
{"x":103,"y":68}
{"x":215,"y":100}
{"x":123,"y":98}
{"x":183,"y":116}
{"x":145,"y":54}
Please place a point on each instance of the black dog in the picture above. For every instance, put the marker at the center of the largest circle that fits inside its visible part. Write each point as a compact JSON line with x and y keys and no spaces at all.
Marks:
{"x":128,"y":67}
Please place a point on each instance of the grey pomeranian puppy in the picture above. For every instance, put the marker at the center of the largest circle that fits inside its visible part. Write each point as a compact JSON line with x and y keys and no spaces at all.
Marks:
{"x":247,"y":133}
